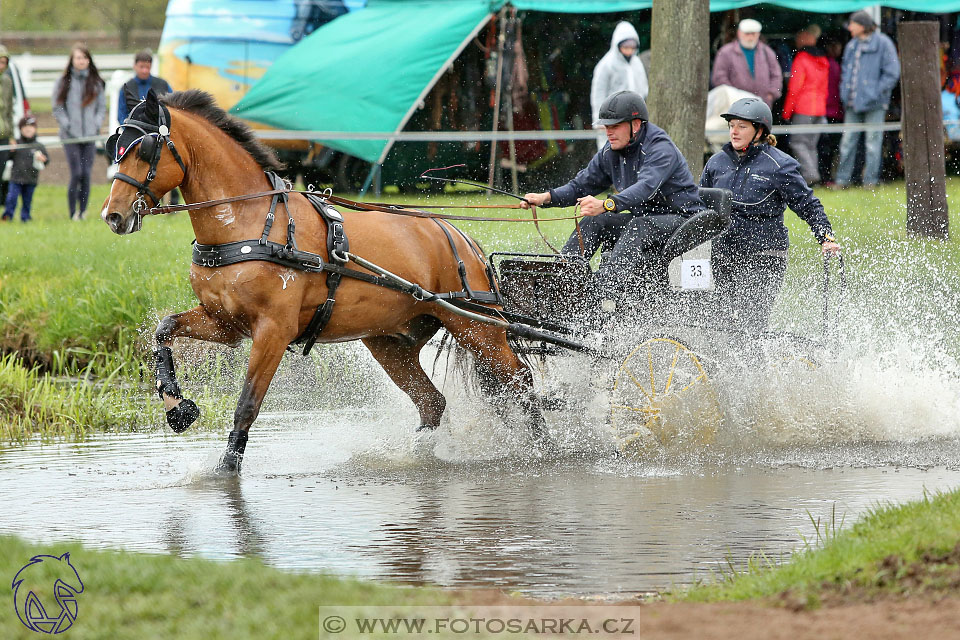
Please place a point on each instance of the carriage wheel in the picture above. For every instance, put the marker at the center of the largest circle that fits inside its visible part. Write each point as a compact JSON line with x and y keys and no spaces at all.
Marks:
{"x":662,"y":398}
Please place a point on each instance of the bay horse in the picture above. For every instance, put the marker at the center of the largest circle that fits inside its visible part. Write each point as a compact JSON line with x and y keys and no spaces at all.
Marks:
{"x":184,"y":140}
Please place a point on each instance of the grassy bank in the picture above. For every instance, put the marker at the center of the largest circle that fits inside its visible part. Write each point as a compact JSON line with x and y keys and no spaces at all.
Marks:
{"x":894,"y":551}
{"x":129,"y":595}
{"x":908,"y":549}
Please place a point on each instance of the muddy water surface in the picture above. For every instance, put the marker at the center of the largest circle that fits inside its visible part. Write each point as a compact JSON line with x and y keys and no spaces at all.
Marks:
{"x":343,"y":493}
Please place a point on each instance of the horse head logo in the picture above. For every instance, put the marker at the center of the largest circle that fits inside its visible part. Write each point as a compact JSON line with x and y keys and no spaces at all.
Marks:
{"x":45,"y":592}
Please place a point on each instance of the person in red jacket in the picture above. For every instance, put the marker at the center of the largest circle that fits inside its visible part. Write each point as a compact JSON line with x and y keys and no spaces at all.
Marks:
{"x":806,"y":101}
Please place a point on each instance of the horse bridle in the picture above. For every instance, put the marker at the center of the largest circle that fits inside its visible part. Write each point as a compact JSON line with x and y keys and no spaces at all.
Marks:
{"x":151,"y":145}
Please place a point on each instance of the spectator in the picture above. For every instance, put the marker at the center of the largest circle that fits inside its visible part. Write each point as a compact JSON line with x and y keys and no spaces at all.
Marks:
{"x":6,"y":113}
{"x":830,"y":144}
{"x":618,"y":70}
{"x":748,"y":64}
{"x":806,"y":101}
{"x":870,"y":71}
{"x":28,"y":158}
{"x":79,"y":105}
{"x":135,"y":89}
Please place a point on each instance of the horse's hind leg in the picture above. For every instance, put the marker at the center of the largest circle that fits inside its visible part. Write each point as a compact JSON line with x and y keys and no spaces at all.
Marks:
{"x":400,"y":358}
{"x":499,"y":370}
{"x":197,"y":324}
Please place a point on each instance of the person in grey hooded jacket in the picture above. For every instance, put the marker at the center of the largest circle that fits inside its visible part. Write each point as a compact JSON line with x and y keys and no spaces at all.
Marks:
{"x":79,"y":105}
{"x":620,"y":69}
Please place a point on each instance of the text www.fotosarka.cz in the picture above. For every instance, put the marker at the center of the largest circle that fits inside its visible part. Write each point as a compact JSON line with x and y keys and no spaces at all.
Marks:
{"x":465,"y":621}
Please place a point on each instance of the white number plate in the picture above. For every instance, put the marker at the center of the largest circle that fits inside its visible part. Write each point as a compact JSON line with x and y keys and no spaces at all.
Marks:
{"x":695,"y":274}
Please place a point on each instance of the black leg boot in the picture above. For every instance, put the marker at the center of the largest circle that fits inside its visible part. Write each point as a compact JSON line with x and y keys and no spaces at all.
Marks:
{"x":230,"y":460}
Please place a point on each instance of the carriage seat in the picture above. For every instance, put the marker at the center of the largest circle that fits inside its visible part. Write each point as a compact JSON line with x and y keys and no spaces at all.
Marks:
{"x":687,"y":271}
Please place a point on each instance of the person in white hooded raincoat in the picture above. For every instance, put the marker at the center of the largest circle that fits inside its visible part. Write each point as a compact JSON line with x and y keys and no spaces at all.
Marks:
{"x":618,"y":70}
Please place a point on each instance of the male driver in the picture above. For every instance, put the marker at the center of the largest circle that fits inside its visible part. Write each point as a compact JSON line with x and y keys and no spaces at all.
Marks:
{"x":655,"y":192}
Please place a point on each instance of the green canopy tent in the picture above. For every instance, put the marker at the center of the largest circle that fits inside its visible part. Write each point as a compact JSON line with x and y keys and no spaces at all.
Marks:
{"x":365,"y":71}
{"x":370,"y":69}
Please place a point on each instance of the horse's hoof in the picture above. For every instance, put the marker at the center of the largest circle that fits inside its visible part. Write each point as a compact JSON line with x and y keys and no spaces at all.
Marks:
{"x":183,"y":415}
{"x":425,"y":441}
{"x":544,"y":445}
{"x":229,"y":464}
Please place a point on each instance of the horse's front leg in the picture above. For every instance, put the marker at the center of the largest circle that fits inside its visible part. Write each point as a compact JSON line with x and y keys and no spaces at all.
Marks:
{"x":196,"y":324}
{"x":269,"y":343}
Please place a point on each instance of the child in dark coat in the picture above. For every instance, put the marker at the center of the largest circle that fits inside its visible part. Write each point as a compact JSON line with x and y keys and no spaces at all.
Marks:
{"x":27,"y":160}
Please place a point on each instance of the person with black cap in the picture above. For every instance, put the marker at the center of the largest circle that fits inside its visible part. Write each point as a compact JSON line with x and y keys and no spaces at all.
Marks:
{"x":620,"y":69}
{"x":870,"y":71}
{"x":750,"y":260}
{"x":654,"y":193}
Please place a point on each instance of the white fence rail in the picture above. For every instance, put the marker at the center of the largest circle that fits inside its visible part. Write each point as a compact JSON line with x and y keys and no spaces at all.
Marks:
{"x":40,"y":73}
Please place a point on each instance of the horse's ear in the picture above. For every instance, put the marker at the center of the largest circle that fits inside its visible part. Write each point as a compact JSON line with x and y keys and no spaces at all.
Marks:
{"x":151,"y":97}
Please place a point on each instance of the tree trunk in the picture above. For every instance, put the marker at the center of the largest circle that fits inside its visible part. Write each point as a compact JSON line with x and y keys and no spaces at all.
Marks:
{"x":680,"y":74}
{"x":923,"y":155}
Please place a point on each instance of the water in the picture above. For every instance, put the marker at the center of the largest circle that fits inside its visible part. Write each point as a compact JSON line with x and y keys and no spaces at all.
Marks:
{"x":349,"y":493}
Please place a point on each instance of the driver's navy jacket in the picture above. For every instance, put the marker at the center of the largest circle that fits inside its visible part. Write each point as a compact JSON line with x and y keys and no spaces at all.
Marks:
{"x":764,"y":182}
{"x":650,"y":176}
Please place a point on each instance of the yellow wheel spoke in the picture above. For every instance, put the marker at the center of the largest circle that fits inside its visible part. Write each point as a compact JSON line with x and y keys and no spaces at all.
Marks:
{"x":653,"y":384}
{"x":700,"y":377}
{"x":673,"y":367}
{"x":637,"y":382}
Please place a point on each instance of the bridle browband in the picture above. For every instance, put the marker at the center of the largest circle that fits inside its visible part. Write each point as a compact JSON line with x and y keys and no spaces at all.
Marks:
{"x":151,"y":143}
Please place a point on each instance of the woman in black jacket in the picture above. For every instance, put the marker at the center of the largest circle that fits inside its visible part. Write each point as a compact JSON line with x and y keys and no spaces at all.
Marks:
{"x":750,"y":260}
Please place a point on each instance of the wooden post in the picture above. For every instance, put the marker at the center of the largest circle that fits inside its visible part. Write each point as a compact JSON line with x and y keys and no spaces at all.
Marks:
{"x":922,"y":120}
{"x":680,"y":74}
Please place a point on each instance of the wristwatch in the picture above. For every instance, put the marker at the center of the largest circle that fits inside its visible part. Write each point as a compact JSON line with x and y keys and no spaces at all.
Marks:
{"x":827,"y":237}
{"x":609,"y":205}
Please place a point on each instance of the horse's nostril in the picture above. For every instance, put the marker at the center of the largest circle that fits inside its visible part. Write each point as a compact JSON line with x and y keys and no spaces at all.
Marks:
{"x":114,"y":220}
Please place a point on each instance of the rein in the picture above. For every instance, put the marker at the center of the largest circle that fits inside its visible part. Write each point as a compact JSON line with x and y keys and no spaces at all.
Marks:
{"x":396,"y":209}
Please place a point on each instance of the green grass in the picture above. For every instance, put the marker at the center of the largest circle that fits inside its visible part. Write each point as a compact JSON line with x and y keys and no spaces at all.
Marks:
{"x":130,"y":595}
{"x":894,"y":549}
{"x":83,"y":302}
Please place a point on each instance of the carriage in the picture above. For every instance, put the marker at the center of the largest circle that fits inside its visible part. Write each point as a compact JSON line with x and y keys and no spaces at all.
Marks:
{"x":655,"y":360}
{"x":402,"y":275}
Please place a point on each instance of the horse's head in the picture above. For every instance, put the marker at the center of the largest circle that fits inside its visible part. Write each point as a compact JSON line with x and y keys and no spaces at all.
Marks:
{"x":144,"y":172}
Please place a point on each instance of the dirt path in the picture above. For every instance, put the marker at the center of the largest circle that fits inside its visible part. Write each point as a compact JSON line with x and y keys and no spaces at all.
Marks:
{"x":910,"y":618}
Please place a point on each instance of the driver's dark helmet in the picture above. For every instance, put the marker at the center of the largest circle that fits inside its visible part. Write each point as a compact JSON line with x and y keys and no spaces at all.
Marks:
{"x":752,"y":110}
{"x":622,"y":106}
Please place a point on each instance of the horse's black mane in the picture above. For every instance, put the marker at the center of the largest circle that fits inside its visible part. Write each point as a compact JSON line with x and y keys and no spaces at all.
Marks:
{"x":202,"y":104}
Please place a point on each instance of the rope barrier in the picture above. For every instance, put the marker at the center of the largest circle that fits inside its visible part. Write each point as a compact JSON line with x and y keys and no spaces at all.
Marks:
{"x":501,"y":136}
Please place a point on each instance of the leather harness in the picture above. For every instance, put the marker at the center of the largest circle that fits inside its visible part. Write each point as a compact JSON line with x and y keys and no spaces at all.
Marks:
{"x":288,"y":255}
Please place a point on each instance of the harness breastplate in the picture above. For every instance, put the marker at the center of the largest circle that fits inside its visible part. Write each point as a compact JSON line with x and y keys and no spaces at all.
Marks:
{"x":288,"y":255}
